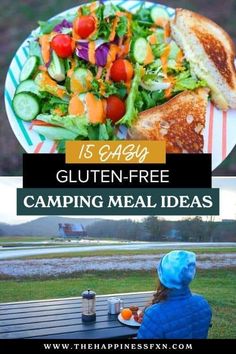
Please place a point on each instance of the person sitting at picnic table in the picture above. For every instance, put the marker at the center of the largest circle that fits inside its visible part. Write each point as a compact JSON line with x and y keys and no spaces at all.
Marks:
{"x":176,"y":313}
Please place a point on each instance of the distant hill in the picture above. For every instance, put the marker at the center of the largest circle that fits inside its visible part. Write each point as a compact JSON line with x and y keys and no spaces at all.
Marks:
{"x":44,"y":226}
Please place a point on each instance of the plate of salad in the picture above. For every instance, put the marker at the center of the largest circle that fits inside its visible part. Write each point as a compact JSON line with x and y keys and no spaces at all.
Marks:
{"x":86,"y":74}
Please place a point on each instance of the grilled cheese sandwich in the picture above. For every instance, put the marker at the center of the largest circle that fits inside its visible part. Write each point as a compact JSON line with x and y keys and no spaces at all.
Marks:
{"x":179,"y":122}
{"x":210,"y":52}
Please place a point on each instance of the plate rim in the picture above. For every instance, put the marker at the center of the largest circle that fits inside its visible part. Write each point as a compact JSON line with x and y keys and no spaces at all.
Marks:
{"x":125,"y":322}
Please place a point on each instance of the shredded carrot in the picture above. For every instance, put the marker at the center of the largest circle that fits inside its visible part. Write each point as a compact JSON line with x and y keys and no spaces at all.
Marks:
{"x":124,"y":51}
{"x":93,"y":7}
{"x":58,"y":112}
{"x":167,"y":30}
{"x":168,"y":92}
{"x":99,"y":73}
{"x":112,"y":54}
{"x":149,"y":56}
{"x":120,"y":13}
{"x":128,"y":85}
{"x":42,"y":68}
{"x":164,"y":59}
{"x":91,"y":52}
{"x":44,"y":41}
{"x":113,"y":31}
{"x":179,"y":59}
{"x":153,"y":39}
{"x":102,"y":86}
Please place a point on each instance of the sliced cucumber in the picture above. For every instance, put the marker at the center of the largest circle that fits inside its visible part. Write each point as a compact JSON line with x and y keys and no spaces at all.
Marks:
{"x":140,"y":49}
{"x":57,"y":69}
{"x":26,"y":105}
{"x":160,"y":35}
{"x":159,"y":12}
{"x":174,"y":50}
{"x":28,"y":86}
{"x":29,"y":68}
{"x":55,"y":133}
{"x":81,"y":80}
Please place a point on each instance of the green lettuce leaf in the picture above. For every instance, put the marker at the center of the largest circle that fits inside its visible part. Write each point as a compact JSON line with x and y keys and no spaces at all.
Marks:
{"x":143,"y":14}
{"x":80,"y":126}
{"x":34,"y":49}
{"x":104,"y":131}
{"x":131,"y":111}
{"x":122,"y":27}
{"x":109,"y":10}
{"x":76,"y":124}
{"x":185,"y":81}
{"x":46,"y":27}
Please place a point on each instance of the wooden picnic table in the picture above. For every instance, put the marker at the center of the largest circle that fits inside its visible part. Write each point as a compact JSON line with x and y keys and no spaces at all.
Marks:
{"x":61,"y":319}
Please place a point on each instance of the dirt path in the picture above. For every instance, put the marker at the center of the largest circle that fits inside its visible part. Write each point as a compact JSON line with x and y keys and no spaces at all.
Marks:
{"x":56,"y":267}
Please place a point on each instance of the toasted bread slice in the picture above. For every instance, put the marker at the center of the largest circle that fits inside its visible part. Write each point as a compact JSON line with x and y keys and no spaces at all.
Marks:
{"x":211,"y":54}
{"x":179,"y":122}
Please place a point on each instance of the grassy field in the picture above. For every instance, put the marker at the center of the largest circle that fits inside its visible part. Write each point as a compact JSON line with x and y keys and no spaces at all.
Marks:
{"x":218,"y":286}
{"x":128,"y":252}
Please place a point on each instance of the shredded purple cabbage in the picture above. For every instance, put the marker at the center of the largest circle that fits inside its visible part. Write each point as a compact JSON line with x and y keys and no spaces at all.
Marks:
{"x":101,"y":53}
{"x":61,"y":25}
{"x":82,"y":50}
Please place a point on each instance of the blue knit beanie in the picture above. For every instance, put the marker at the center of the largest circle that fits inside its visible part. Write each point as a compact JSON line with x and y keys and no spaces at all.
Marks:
{"x":177,"y":269}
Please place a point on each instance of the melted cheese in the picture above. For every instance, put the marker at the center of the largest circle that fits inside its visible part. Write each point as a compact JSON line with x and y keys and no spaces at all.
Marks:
{"x":197,"y":65}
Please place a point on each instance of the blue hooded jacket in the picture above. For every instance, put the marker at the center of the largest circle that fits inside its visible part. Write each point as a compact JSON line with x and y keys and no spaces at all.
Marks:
{"x":182,"y":315}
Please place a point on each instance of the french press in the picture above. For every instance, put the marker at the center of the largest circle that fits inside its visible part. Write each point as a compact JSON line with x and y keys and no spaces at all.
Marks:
{"x":88,"y":306}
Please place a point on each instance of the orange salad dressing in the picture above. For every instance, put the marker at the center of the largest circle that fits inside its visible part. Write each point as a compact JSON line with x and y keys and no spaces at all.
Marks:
{"x":51,"y":85}
{"x":111,"y":57}
{"x":76,"y":86}
{"x":76,"y":106}
{"x":149,"y":56}
{"x":152,"y":39}
{"x":168,"y":92}
{"x":113,"y":31}
{"x":91,"y":52}
{"x":71,"y":70}
{"x":164,"y":59}
{"x":95,"y":106}
{"x":44,"y":41}
{"x":58,"y":112}
{"x":179,"y":59}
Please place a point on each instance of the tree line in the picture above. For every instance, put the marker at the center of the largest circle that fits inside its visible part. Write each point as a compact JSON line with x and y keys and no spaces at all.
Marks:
{"x":157,"y":229}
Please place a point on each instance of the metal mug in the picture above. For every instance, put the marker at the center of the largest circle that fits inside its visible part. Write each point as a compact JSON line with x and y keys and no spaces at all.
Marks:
{"x":115,"y":305}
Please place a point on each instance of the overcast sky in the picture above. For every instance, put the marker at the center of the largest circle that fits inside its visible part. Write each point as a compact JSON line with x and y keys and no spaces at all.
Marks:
{"x":8,"y":187}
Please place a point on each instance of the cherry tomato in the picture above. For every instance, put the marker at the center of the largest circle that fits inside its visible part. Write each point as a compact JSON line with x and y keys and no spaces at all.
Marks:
{"x":41,"y":123}
{"x":62,"y":44}
{"x":121,"y":70}
{"x":115,"y":108}
{"x":84,"y":26}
